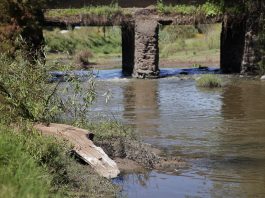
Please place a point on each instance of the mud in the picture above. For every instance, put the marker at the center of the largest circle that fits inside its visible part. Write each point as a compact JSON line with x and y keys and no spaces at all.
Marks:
{"x":132,"y":155}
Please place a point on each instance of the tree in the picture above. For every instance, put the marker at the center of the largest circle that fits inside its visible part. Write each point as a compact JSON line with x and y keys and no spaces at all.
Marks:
{"x":25,"y":18}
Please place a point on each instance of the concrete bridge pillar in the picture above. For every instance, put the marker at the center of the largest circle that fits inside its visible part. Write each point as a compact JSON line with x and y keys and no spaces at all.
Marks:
{"x":254,"y":55}
{"x":128,"y":38}
{"x":232,"y":43}
{"x":146,"y":49}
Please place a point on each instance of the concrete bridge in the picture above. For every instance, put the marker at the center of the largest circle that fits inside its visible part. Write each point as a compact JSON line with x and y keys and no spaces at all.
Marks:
{"x":140,"y":36}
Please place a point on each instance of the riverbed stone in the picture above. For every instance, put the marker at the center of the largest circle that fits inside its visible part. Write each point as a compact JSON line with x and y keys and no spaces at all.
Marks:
{"x":262,"y":77}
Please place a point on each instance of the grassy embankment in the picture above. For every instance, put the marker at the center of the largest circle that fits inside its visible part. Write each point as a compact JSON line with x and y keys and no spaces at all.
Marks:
{"x":32,"y":165}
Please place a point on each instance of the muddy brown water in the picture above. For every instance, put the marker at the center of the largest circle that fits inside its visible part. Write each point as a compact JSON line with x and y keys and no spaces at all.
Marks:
{"x":220,"y":133}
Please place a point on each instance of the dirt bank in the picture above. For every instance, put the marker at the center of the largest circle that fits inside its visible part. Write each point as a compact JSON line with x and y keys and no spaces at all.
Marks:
{"x":134,"y":156}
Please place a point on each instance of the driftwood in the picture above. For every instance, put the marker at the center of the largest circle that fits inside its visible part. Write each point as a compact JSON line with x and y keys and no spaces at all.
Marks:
{"x":83,"y":147}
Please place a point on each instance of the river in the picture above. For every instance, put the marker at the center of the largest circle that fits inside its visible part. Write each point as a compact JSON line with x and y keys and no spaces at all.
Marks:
{"x":220,"y":133}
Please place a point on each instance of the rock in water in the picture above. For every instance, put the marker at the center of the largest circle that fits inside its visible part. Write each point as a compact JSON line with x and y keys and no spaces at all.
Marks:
{"x":262,"y":77}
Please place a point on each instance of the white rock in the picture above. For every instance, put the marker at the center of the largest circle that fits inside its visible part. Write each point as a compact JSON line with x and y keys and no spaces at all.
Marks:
{"x":64,"y":31}
{"x":262,"y":77}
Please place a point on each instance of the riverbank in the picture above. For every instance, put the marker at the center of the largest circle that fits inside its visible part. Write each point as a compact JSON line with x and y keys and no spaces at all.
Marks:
{"x":65,"y":174}
{"x":27,"y":155}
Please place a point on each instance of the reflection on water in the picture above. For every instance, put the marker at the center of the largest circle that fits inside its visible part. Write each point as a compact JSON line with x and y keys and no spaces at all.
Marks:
{"x":221,"y":133}
{"x":141,"y":101}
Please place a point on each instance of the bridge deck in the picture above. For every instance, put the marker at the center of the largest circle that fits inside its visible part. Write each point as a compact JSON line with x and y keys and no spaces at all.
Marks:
{"x":62,"y":18}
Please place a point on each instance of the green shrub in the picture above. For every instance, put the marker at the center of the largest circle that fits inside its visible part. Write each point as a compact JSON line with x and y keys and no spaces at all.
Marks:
{"x":107,"y":11}
{"x":209,"y":81}
{"x":207,"y":9}
{"x":21,"y":18}
{"x":32,"y":165}
{"x":20,"y":174}
{"x":24,"y":89}
{"x":97,"y":40}
{"x":108,"y":129}
{"x":83,"y":58}
{"x":26,"y":94}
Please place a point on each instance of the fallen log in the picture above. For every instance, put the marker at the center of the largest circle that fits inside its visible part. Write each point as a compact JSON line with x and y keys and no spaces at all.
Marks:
{"x":83,"y":147}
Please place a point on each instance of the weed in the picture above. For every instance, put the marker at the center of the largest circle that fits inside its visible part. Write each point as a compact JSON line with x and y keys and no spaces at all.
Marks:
{"x":107,"y":11}
{"x":209,"y":81}
{"x":180,"y":42}
{"x":97,"y":40}
{"x":20,"y":173}
{"x":108,"y":129}
{"x":32,"y":165}
{"x":208,"y":9}
{"x":83,"y":58}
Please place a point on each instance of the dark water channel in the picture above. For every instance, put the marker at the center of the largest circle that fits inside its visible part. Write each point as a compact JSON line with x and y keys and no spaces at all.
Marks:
{"x":220,"y":133}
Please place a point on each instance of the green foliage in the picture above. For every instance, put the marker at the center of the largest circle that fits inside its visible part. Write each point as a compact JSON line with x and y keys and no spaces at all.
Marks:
{"x":209,"y":81}
{"x":83,"y":58}
{"x":59,"y":44}
{"x":97,"y":40}
{"x":20,"y":173}
{"x":176,"y":39}
{"x":32,"y":165}
{"x":107,"y":11}
{"x":108,"y":129}
{"x":76,"y":99}
{"x":25,"y":92}
{"x":21,"y":18}
{"x":24,"y":89}
{"x":210,"y":9}
{"x":207,"y":9}
{"x":174,"y":9}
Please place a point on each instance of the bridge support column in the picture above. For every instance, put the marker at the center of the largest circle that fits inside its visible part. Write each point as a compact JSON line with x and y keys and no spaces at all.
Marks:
{"x":232,"y":43}
{"x":146,"y":49}
{"x":254,"y":55}
{"x":128,"y":48}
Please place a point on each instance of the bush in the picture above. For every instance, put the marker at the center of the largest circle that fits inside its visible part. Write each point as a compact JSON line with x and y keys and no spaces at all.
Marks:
{"x":82,"y":58}
{"x":59,"y":43}
{"x":25,"y":92}
{"x":24,"y":89}
{"x":21,"y":18}
{"x":108,"y":129}
{"x":20,"y":173}
{"x":209,"y":81}
{"x":32,"y":165}
{"x":98,"y":40}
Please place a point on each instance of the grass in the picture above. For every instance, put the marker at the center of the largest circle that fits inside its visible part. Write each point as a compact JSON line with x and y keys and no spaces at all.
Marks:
{"x":107,"y":11}
{"x":207,"y":9}
{"x":108,"y":129}
{"x":32,"y":165}
{"x":184,"y":43}
{"x":20,"y":174}
{"x":178,"y":43}
{"x":101,"y":42}
{"x":209,"y":81}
